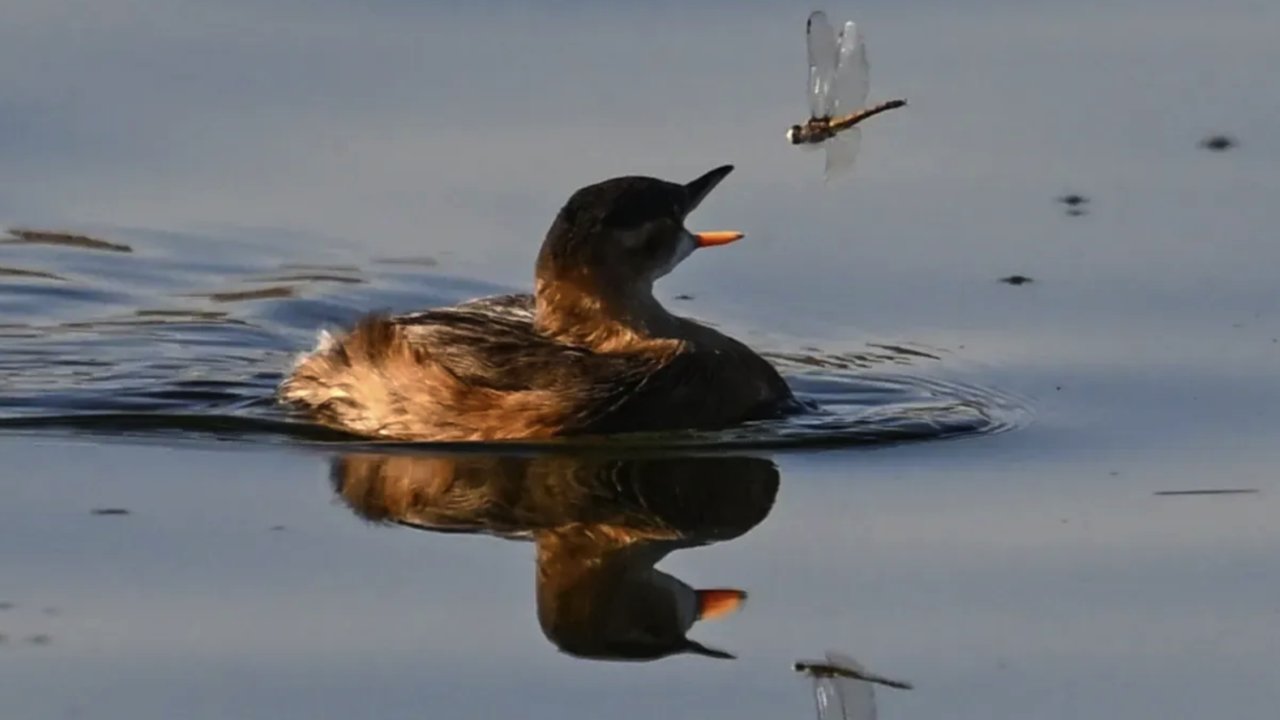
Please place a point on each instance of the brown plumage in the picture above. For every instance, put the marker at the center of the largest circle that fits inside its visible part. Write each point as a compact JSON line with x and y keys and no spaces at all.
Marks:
{"x":591,"y":351}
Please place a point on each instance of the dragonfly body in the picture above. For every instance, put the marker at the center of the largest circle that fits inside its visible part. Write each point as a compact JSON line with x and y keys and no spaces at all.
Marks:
{"x":838,"y":87}
{"x":818,"y":130}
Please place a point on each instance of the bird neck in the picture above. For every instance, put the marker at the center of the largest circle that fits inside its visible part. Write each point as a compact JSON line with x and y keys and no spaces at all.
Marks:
{"x":602,"y":315}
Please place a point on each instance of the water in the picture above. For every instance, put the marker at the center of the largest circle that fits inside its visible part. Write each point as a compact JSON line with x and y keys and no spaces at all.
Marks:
{"x":172,"y":543}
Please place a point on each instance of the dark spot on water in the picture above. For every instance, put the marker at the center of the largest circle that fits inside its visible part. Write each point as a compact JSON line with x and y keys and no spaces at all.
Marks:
{"x":1114,"y":473}
{"x":49,"y":237}
{"x":1218,"y":143}
{"x":1016,"y":280}
{"x":40,"y":639}
{"x":1073,"y":200}
{"x":1076,"y":212}
{"x":278,"y":528}
{"x":1058,"y":388}
{"x":683,"y":296}
{"x":7,"y":605}
{"x":109,"y":511}
{"x":1208,"y":491}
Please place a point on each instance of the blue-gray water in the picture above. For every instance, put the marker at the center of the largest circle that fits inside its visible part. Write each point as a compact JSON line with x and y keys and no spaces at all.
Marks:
{"x":277,"y":169}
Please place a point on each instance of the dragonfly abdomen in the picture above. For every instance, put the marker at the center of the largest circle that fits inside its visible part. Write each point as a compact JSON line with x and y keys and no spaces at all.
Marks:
{"x":842,"y":122}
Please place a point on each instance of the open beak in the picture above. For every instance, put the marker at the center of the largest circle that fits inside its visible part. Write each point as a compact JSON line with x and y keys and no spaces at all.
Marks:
{"x":696,"y":191}
{"x":717,"y":237}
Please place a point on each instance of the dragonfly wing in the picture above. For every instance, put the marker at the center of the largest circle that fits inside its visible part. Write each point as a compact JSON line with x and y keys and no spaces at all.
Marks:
{"x":823,"y":56}
{"x":852,"y":81}
{"x":835,"y":702}
{"x":857,"y":697}
{"x":839,"y":659}
{"x":842,"y":150}
{"x":827,"y":699}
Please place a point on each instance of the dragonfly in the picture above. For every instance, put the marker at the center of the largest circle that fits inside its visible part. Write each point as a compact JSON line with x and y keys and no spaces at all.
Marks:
{"x":838,"y":86}
{"x":843,"y":689}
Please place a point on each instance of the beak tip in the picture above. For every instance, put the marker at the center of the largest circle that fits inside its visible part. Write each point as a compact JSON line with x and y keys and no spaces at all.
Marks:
{"x":717,"y":603}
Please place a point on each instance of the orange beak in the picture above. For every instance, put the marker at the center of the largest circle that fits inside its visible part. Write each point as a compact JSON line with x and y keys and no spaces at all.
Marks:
{"x":714,"y":604}
{"x":718,"y":237}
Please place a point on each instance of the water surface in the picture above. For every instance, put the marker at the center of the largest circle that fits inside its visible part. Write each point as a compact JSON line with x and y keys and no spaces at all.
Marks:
{"x":173,"y":544}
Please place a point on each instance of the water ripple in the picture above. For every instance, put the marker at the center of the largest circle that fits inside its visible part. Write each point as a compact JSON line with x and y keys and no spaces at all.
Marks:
{"x":132,"y":342}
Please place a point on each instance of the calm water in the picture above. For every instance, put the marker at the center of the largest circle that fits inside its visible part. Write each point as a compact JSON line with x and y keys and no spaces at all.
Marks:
{"x":172,"y":544}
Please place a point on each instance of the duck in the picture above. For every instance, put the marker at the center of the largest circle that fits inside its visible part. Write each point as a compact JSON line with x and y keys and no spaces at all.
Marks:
{"x":590,"y":351}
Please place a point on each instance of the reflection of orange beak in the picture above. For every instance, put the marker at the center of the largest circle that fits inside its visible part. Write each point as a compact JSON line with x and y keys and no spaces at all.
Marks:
{"x":718,"y":237}
{"x":714,"y":604}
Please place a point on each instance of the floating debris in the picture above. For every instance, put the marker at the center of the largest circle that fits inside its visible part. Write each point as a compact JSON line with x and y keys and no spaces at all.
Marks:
{"x":1218,"y":143}
{"x":109,"y":511}
{"x":1209,"y":491}
{"x":1016,"y":280}
{"x":683,"y":296}
{"x":40,"y":639}
{"x":277,"y":528}
{"x":49,"y":237}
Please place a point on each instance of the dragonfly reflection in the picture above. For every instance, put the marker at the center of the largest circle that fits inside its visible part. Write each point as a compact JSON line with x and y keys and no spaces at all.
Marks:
{"x":843,"y":689}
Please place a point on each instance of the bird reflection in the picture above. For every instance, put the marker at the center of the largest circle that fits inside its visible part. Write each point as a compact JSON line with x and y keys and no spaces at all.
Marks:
{"x":600,"y":524}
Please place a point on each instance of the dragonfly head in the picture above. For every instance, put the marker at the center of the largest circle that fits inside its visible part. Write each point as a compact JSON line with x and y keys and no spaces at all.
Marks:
{"x":794,"y":135}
